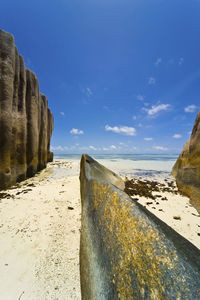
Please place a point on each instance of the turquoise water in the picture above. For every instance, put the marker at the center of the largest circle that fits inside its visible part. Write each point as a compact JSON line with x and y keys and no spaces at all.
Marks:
{"x":148,"y":165}
{"x":133,"y":157}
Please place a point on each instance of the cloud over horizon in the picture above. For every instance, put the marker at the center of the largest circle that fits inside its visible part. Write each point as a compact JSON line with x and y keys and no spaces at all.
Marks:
{"x":76,"y":131}
{"x":177,"y":136}
{"x":155,"y":109}
{"x":160,"y":148}
{"x":158,"y":61}
{"x":122,"y":130}
{"x":151,"y":81}
{"x":190,"y":108}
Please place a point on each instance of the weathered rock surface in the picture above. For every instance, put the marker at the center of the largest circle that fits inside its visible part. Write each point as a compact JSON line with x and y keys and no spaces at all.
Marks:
{"x":26,"y":123}
{"x":126,"y":252}
{"x":187,"y":167}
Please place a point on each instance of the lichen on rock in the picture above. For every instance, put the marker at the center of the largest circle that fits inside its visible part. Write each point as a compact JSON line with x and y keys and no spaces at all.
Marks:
{"x":125,"y":251}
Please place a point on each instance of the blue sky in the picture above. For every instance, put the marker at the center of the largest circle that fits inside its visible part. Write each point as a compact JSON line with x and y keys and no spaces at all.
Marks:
{"x":121,"y":76}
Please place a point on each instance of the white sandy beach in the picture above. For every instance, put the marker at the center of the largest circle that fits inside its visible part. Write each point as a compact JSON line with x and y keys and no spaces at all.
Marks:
{"x":40,"y":231}
{"x":39,"y":238}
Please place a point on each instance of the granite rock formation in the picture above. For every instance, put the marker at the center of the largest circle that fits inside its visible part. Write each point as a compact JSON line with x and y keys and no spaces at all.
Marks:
{"x":126,"y":252}
{"x":26,"y":123}
{"x":187,"y":167}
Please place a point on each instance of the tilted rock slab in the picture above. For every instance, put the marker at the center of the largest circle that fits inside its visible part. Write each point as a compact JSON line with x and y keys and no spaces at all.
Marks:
{"x":126,"y":252}
{"x":187,"y":167}
{"x":26,"y":123}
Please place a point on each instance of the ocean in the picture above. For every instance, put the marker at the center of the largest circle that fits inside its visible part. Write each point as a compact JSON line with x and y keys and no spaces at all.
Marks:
{"x":129,"y":165}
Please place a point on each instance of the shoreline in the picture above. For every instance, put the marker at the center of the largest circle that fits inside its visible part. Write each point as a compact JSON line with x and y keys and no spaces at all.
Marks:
{"x":40,"y":228}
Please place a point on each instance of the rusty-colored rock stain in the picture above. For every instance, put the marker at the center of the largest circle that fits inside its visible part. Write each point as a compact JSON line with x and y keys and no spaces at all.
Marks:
{"x":136,"y":241}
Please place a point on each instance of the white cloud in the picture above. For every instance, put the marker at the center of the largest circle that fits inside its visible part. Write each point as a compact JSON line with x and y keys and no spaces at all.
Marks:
{"x":148,"y":139}
{"x":177,"y":136}
{"x":89,"y":92}
{"x":160,"y":148}
{"x":122,"y":129}
{"x":156,"y":109}
{"x":76,"y":131}
{"x":151,"y":80}
{"x":92,"y":148}
{"x":62,"y":113}
{"x":181,"y":60}
{"x":140,"y":97}
{"x":57,"y":148}
{"x":134,"y":117}
{"x":158,"y":61}
{"x":112,"y":147}
{"x":190,"y":108}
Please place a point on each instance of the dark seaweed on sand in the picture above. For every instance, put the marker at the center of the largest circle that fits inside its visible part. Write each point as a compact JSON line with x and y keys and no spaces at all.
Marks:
{"x":144,"y":188}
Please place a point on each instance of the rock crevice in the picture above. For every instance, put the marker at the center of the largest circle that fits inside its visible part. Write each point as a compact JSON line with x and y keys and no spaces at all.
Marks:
{"x":26,"y":123}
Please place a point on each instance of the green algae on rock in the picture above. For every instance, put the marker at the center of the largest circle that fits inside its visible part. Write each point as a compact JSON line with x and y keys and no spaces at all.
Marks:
{"x":126,"y":252}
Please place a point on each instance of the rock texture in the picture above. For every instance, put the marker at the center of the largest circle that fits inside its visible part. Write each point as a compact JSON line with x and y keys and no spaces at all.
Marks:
{"x":26,"y":123}
{"x":187,"y":167}
{"x":126,"y":252}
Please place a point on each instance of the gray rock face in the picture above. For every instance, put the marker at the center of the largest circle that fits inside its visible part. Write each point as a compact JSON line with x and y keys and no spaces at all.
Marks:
{"x":26,"y":123}
{"x":187,"y":167}
{"x":126,"y":252}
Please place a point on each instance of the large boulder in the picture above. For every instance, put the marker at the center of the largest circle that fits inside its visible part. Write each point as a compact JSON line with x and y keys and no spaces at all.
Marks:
{"x":187,"y":167}
{"x":26,"y":123}
{"x":125,"y":251}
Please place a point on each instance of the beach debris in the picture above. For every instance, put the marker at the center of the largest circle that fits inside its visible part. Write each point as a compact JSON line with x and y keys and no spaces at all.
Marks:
{"x":70,"y":207}
{"x":176,"y":217}
{"x":21,"y":295}
{"x":148,"y":203}
{"x":26,"y":191}
{"x":145,"y":188}
{"x":31,"y":184}
{"x":4,"y":195}
{"x":195,"y":215}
